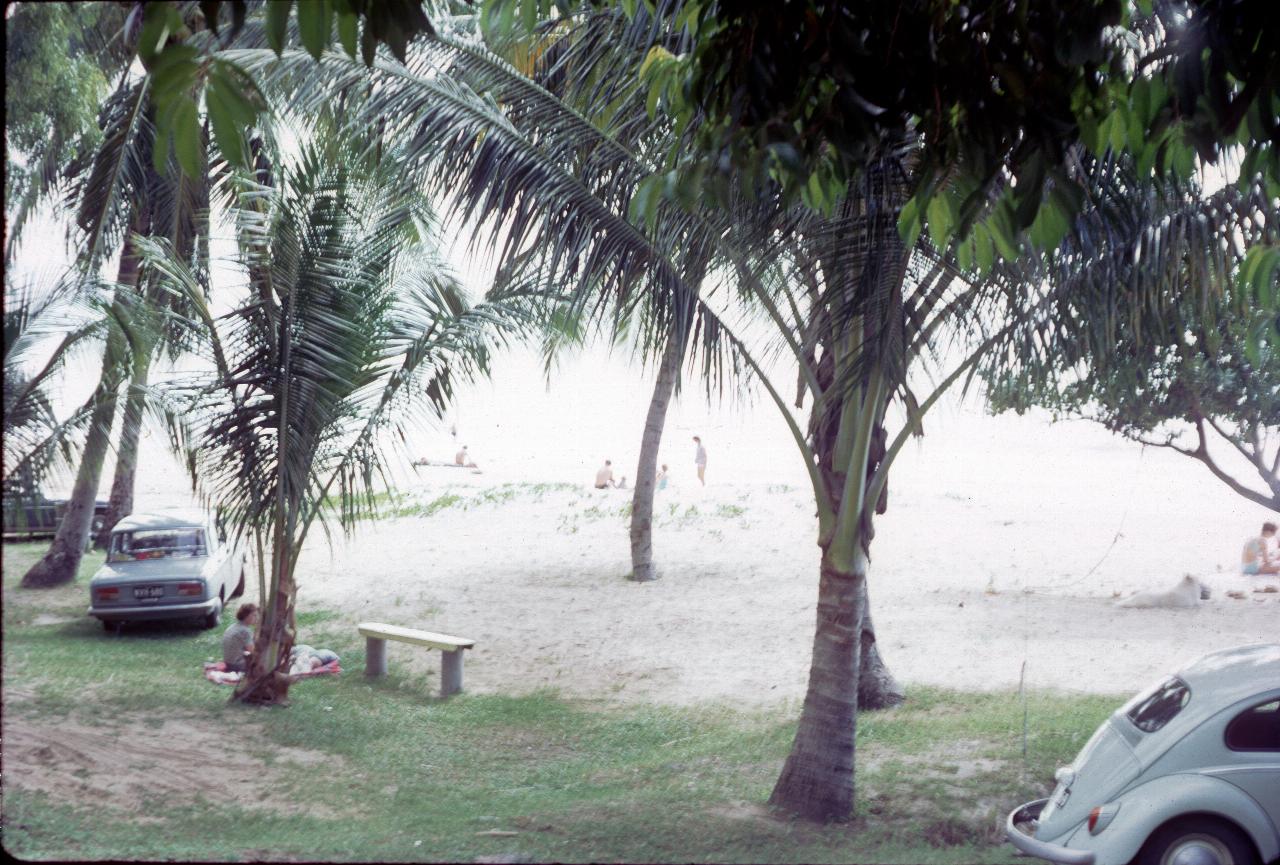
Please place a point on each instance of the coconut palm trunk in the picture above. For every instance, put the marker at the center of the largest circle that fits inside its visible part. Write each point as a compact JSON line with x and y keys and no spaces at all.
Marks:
{"x":59,"y":565}
{"x":120,"y":504}
{"x":817,"y":780}
{"x":642,"y":567}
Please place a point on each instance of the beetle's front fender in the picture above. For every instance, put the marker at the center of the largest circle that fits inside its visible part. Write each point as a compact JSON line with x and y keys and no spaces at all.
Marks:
{"x":1147,"y":807}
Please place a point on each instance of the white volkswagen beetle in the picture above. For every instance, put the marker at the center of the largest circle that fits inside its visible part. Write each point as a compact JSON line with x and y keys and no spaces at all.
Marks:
{"x":166,"y":565}
{"x":1185,"y":773}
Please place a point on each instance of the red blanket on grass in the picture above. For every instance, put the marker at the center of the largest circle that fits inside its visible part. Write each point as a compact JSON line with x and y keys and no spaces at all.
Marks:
{"x":216,"y":672}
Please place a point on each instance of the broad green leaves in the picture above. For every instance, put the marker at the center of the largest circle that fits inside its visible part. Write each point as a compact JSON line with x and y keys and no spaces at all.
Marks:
{"x":188,"y":74}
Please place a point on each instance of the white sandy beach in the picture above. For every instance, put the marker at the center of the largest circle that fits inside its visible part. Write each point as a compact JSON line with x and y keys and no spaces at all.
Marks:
{"x":1006,"y":542}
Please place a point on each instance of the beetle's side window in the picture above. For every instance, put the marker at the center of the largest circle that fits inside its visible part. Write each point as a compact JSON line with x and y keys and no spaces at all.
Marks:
{"x":1256,"y":729}
{"x":1150,"y":712}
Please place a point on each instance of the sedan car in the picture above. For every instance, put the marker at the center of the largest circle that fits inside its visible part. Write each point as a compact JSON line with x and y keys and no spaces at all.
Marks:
{"x":1185,"y":773}
{"x":167,"y":565}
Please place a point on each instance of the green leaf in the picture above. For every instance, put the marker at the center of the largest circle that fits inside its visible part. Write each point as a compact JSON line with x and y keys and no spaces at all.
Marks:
{"x":174,"y":73}
{"x":965,"y":254}
{"x":348,"y":32}
{"x":224,"y":118}
{"x":909,"y":222}
{"x":1050,"y":226}
{"x":186,"y":137}
{"x":277,"y":23}
{"x":159,"y":21}
{"x":315,"y":25}
{"x":984,"y":250}
{"x":644,"y":203}
{"x":940,"y":219}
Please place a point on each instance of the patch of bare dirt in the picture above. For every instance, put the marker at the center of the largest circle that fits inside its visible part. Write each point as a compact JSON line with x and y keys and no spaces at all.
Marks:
{"x":133,"y":764}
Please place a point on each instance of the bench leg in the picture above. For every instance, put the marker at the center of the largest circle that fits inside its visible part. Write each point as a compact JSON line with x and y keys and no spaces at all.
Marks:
{"x":450,"y":673}
{"x":375,"y":657}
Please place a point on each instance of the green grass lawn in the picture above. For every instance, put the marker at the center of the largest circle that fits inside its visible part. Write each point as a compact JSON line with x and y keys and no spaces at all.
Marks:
{"x":392,"y":774}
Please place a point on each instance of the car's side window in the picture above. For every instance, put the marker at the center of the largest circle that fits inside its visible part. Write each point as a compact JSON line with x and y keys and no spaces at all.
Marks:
{"x":1256,"y":729}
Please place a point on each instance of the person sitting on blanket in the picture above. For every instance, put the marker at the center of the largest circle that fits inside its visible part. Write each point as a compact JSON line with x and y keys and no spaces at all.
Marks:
{"x":304,"y":659}
{"x":237,"y":642}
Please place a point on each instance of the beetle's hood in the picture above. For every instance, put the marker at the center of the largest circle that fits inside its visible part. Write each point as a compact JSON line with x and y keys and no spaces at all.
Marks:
{"x":1102,"y":768}
{"x":152,"y":570}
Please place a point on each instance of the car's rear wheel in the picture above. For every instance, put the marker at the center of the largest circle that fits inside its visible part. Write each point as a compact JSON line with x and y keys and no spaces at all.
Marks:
{"x":239,"y":586}
{"x":109,"y":626}
{"x":1197,"y":841}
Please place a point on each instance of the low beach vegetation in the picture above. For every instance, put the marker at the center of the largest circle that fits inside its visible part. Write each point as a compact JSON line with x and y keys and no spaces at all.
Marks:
{"x":385,"y":771}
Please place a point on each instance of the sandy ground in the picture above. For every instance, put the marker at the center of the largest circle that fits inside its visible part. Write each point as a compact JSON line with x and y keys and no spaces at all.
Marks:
{"x":536,"y":577}
{"x":1006,"y":542}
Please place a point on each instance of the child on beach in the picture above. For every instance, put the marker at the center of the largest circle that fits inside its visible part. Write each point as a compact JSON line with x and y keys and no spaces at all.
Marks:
{"x":1257,"y":556}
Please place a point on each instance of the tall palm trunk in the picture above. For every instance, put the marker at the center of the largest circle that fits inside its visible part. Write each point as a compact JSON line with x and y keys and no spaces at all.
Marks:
{"x":848,"y":440}
{"x":120,"y":504}
{"x":642,"y":567}
{"x":817,"y":779}
{"x":60,"y":563}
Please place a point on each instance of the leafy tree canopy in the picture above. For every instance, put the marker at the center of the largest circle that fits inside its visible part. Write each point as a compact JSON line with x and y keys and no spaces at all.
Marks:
{"x":801,"y":93}
{"x":57,"y":59}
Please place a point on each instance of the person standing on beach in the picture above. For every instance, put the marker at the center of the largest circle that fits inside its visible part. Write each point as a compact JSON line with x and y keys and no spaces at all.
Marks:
{"x":661,"y":479}
{"x":604,"y":477}
{"x":700,"y":460}
{"x":1256,"y":557}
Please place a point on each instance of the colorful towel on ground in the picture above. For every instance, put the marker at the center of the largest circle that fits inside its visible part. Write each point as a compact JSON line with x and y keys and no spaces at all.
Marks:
{"x":216,"y":672}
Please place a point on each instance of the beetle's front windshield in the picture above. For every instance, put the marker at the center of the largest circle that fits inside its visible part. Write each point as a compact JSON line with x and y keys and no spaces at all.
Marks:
{"x":1152,"y":709}
{"x":157,"y":544}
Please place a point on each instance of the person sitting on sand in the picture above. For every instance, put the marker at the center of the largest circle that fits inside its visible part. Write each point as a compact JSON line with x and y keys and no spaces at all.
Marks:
{"x":462,"y":458}
{"x":661,"y":479}
{"x":622,"y":483}
{"x":604,"y":477}
{"x":237,"y":642}
{"x":1257,"y":556}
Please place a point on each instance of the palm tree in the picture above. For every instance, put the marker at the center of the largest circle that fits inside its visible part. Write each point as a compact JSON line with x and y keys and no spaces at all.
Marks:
{"x":350,"y":328}
{"x":34,"y":438}
{"x":561,"y":188}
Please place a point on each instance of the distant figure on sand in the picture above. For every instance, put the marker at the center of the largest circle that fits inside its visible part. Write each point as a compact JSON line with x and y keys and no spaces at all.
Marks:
{"x":1257,"y":557}
{"x":700,"y":460}
{"x":604,"y":477}
{"x":661,"y":479}
{"x":462,"y":458}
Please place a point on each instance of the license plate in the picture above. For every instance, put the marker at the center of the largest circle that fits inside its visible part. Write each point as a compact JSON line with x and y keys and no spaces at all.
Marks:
{"x":145,"y":592}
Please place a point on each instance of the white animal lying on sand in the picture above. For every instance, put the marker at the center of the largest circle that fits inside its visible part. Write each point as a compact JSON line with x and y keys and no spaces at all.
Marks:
{"x":1189,"y":592}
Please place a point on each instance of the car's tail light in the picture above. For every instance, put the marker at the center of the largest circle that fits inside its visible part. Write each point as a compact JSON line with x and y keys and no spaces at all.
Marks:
{"x":107,"y":593}
{"x":190,"y":588}
{"x":1101,"y":817}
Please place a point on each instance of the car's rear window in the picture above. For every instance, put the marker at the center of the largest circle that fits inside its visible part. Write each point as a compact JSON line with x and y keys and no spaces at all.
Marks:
{"x":1152,"y":709}
{"x":157,"y":544}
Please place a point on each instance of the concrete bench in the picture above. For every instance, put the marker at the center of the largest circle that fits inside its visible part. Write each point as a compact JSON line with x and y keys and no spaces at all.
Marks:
{"x":376,"y":635}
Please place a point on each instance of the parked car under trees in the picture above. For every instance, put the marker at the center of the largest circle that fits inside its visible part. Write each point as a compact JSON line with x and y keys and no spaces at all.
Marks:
{"x":1185,"y":773}
{"x":167,"y":565}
